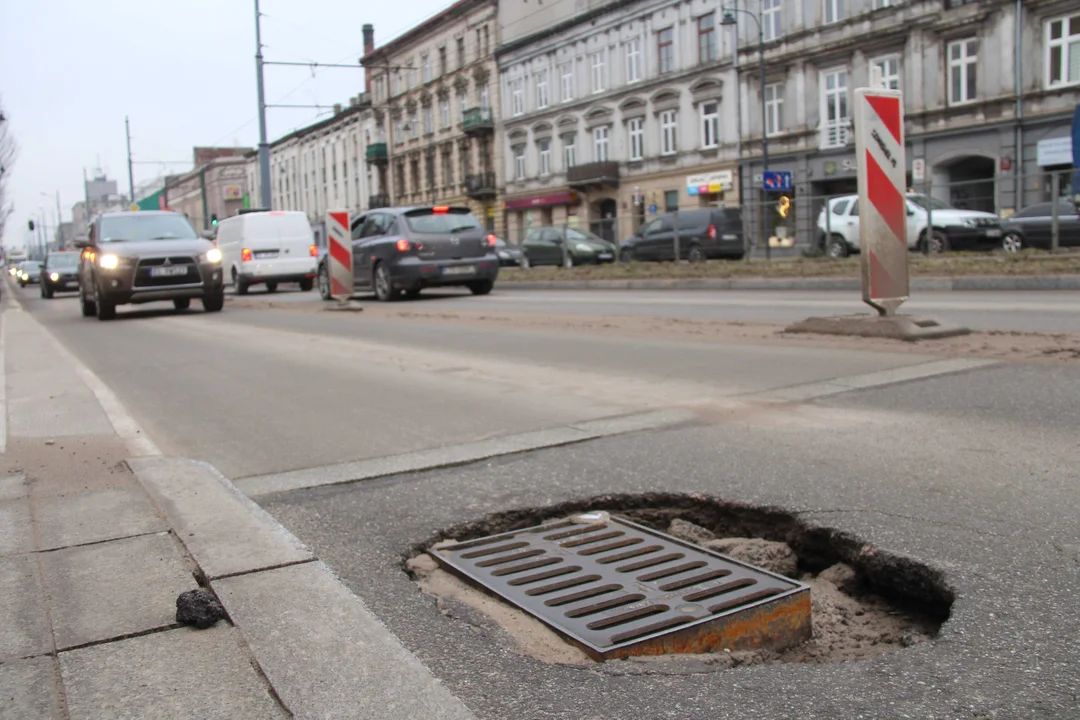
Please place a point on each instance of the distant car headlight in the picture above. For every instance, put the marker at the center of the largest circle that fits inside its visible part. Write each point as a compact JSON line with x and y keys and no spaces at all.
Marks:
{"x":582,"y":247}
{"x":213,"y":255}
{"x":109,"y":262}
{"x":54,"y":276}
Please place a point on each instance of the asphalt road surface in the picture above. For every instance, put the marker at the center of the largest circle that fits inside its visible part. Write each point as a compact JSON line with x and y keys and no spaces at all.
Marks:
{"x":968,"y":467}
{"x":1048,"y":312}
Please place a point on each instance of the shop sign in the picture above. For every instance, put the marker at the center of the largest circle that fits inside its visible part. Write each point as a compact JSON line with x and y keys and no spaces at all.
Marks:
{"x":1054,"y":151}
{"x":713,"y":182}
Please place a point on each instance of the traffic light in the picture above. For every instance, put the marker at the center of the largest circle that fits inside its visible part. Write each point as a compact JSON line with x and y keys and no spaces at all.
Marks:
{"x":30,"y":224}
{"x":213,"y":220}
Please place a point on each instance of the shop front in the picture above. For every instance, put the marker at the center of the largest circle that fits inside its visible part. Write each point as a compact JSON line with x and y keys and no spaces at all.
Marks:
{"x":554,"y":208}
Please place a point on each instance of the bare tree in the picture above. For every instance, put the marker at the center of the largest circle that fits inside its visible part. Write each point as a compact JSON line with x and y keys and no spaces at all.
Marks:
{"x":8,"y":151}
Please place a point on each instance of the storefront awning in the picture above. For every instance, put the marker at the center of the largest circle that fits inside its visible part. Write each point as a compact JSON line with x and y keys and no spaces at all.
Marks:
{"x":567,"y":197}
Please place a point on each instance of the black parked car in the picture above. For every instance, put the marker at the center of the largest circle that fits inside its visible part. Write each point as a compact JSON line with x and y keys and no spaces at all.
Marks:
{"x":406,"y":249}
{"x":566,"y":246}
{"x":60,"y":273}
{"x":1031,"y":227}
{"x":509,"y":255}
{"x":704,"y":234}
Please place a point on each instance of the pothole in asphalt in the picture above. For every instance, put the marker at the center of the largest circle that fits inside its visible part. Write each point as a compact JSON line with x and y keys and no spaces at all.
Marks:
{"x":864,"y":601}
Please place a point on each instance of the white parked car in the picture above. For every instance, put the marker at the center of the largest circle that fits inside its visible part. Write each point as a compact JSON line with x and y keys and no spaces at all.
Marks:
{"x":268,"y":248}
{"x":953,"y":228}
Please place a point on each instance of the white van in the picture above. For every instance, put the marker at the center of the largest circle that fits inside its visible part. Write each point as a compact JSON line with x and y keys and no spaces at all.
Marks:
{"x":268,"y":247}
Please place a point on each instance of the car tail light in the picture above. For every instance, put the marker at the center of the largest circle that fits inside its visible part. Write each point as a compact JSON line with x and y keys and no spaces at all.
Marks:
{"x":404,"y":245}
{"x":712,"y":232}
{"x":440,"y":210}
{"x":246,"y":256}
{"x":314,"y":250}
{"x":491,"y":240}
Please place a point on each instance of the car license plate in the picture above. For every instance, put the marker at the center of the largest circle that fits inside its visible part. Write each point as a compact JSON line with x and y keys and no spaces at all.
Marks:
{"x":994,"y":232}
{"x":604,"y":256}
{"x":266,"y":255}
{"x":459,"y":270}
{"x":168,"y":270}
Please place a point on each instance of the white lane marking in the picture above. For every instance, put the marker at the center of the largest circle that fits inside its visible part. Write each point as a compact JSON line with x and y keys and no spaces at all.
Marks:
{"x":836,"y":386}
{"x":127,"y":428}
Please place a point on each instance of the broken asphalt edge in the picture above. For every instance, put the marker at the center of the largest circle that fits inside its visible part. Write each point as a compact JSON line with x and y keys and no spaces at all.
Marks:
{"x":320,"y":648}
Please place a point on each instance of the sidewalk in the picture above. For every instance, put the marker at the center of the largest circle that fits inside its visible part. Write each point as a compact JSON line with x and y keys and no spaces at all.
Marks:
{"x":99,"y":533}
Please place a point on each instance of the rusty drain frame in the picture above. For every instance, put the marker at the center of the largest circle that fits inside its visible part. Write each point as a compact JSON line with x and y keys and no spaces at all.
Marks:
{"x":611,"y":610}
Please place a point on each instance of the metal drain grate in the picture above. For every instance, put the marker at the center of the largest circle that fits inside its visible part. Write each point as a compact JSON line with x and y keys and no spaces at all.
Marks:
{"x":616,"y":588}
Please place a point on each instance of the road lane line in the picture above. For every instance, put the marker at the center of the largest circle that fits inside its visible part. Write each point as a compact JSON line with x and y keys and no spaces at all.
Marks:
{"x":138,"y":443}
{"x":836,"y":386}
{"x":462,"y":454}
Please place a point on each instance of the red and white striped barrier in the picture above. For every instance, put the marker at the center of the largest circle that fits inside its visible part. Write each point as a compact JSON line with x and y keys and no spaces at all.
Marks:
{"x":879,"y":150}
{"x":340,"y":259}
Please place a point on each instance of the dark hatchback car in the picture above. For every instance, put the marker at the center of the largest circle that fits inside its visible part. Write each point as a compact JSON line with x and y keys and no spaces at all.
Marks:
{"x":1032,"y":227}
{"x":705,"y":234}
{"x":28,"y":273}
{"x":404,"y":250}
{"x":566,"y":246}
{"x":60,"y":273}
{"x":140,"y":257}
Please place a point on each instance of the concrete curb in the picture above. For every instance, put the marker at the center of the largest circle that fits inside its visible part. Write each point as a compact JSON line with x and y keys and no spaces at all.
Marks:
{"x":1003,"y":283}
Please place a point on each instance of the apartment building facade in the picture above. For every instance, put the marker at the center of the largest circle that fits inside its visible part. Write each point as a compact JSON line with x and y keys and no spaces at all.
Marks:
{"x":616,"y":112}
{"x":214,"y":188}
{"x":989,"y":92}
{"x":434,"y":93}
{"x":323,"y":166}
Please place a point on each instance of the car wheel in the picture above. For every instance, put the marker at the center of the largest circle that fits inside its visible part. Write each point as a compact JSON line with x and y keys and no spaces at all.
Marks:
{"x":1012,"y":243}
{"x":88,"y":308}
{"x":626,"y":256}
{"x":239,"y":285}
{"x":384,"y":285}
{"x":938,"y":243}
{"x":271,"y":287}
{"x":837,"y":248}
{"x":214,"y":303}
{"x":46,"y":291}
{"x":105,"y":309}
{"x":306,"y":284}
{"x":481,"y":287}
{"x":695,"y":254}
{"x":324,"y":283}
{"x":182,"y":303}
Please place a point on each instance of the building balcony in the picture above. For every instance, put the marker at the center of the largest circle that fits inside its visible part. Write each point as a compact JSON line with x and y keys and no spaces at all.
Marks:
{"x":478,"y":121}
{"x":835,"y":134}
{"x":593,"y":175}
{"x":376,"y":153}
{"x":378,"y":201}
{"x":480,"y":186}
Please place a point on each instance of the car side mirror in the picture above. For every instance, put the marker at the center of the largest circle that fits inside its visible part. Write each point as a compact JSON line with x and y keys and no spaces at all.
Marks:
{"x":910,"y":211}
{"x":82,"y":244}
{"x":208,"y":234}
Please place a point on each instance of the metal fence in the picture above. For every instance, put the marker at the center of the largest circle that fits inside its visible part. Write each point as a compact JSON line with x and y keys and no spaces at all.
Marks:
{"x":797,"y":223}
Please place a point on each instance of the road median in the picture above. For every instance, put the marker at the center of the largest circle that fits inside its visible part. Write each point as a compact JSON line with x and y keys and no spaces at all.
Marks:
{"x":993,"y":272}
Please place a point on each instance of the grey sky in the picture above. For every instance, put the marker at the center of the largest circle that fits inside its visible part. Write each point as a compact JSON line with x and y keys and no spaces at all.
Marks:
{"x":183,"y":71}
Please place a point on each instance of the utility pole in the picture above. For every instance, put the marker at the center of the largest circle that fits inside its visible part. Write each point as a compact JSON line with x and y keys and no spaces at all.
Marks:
{"x":131,"y":174}
{"x":264,"y":148}
{"x":59,"y":228}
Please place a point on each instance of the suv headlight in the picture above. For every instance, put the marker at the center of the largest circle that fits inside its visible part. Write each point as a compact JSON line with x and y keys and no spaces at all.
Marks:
{"x":213,"y":255}
{"x":54,"y":276}
{"x":109,"y":262}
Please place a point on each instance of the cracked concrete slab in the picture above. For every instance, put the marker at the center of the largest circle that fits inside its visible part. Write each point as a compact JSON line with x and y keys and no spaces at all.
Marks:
{"x":87,"y":517}
{"x":24,"y":628}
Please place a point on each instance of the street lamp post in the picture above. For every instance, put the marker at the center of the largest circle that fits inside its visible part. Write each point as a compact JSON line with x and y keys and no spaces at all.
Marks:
{"x":729,"y":20}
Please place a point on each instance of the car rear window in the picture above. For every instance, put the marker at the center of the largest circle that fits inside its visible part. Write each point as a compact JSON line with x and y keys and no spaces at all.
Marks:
{"x":430,"y":221}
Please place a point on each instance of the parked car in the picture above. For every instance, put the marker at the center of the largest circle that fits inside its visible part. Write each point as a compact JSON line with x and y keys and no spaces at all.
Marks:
{"x":406,"y":249}
{"x":509,"y":255}
{"x":704,"y":234}
{"x":60,"y":273}
{"x":1031,"y":227}
{"x":268,"y":248}
{"x":566,"y":246}
{"x":954,"y":229}
{"x":29,"y":273}
{"x":146,"y":256}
